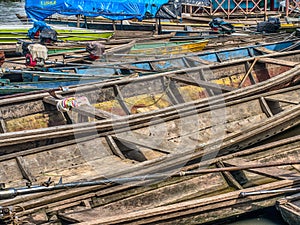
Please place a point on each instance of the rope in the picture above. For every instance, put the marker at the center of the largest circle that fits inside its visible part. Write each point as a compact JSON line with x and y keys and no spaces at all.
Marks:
{"x":67,"y":104}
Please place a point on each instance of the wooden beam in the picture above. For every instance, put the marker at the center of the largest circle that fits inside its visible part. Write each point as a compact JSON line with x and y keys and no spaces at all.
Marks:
{"x":204,"y":84}
{"x":2,"y":124}
{"x":265,"y":107}
{"x":91,"y":111}
{"x":248,"y":72}
{"x":24,"y":169}
{"x":121,"y":100}
{"x":114,"y":148}
{"x":229,"y":178}
{"x":264,"y":50}
{"x":273,"y":172}
{"x":172,"y":91}
{"x":86,"y":110}
{"x":251,"y":76}
{"x":197,"y":59}
{"x":151,"y":142}
{"x":278,"y":62}
{"x":282,"y":100}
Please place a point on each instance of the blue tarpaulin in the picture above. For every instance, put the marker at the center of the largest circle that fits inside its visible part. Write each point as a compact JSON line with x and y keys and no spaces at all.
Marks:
{"x":38,"y":10}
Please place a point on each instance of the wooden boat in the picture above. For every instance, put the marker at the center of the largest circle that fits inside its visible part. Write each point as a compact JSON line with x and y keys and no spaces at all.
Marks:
{"x":13,"y":34}
{"x":158,"y":48}
{"x":139,"y":100}
{"x":163,"y":191}
{"x":123,"y":69}
{"x":213,"y":56}
{"x":289,"y":207}
{"x":182,"y":200}
{"x":104,"y":71}
{"x":95,"y":23}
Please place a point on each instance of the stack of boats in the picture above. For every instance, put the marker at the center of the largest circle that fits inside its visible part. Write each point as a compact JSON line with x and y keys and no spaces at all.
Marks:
{"x":167,"y":135}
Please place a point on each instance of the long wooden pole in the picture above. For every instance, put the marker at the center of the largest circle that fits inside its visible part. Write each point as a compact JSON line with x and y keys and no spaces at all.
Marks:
{"x":13,"y":192}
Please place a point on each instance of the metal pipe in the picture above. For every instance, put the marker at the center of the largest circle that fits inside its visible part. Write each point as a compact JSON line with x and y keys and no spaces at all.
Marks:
{"x":276,"y":191}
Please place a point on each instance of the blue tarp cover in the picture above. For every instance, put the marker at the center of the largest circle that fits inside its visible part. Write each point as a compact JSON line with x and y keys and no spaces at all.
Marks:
{"x":112,"y":9}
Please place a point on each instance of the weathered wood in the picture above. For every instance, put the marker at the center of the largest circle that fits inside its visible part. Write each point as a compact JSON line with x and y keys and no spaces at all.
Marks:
{"x":2,"y":124}
{"x":278,"y":99}
{"x":24,"y":168}
{"x":86,"y":110}
{"x":251,"y":75}
{"x":150,"y":142}
{"x":264,"y":50}
{"x":248,"y":72}
{"x":266,"y":107}
{"x":114,"y":148}
{"x":121,"y":99}
{"x":197,"y":59}
{"x":172,"y":91}
{"x":277,"y":62}
{"x":204,"y":84}
{"x":273,"y":172}
{"x":229,"y":178}
{"x":176,"y":211}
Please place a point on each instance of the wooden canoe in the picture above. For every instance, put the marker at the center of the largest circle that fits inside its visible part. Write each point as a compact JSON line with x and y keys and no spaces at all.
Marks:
{"x":35,"y":123}
{"x":205,"y":191}
{"x":11,"y":35}
{"x":289,"y":208}
{"x":160,"y":91}
{"x":178,"y":47}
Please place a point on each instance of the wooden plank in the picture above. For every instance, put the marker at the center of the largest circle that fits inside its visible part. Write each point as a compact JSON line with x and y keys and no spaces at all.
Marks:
{"x":89,"y":110}
{"x":273,"y":172}
{"x":264,"y":50}
{"x":172,"y":91}
{"x":204,"y":84}
{"x":248,"y":72}
{"x":120,"y":99}
{"x":114,"y":148}
{"x":282,"y":100}
{"x":24,"y":169}
{"x":265,"y":107}
{"x":158,"y":144}
{"x":278,"y":62}
{"x":251,"y":76}
{"x":197,"y":59}
{"x":2,"y":124}
{"x":229,"y":178}
{"x":86,"y":110}
{"x":44,"y":148}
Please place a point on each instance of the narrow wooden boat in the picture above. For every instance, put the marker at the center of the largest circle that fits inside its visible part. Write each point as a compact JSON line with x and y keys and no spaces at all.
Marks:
{"x":112,"y":109}
{"x":179,"y":47}
{"x":289,"y":207}
{"x":161,"y":191}
{"x":13,"y":34}
{"x":214,"y":56}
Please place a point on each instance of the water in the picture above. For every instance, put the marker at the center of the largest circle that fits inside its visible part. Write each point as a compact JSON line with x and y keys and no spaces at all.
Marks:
{"x":8,"y":10}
